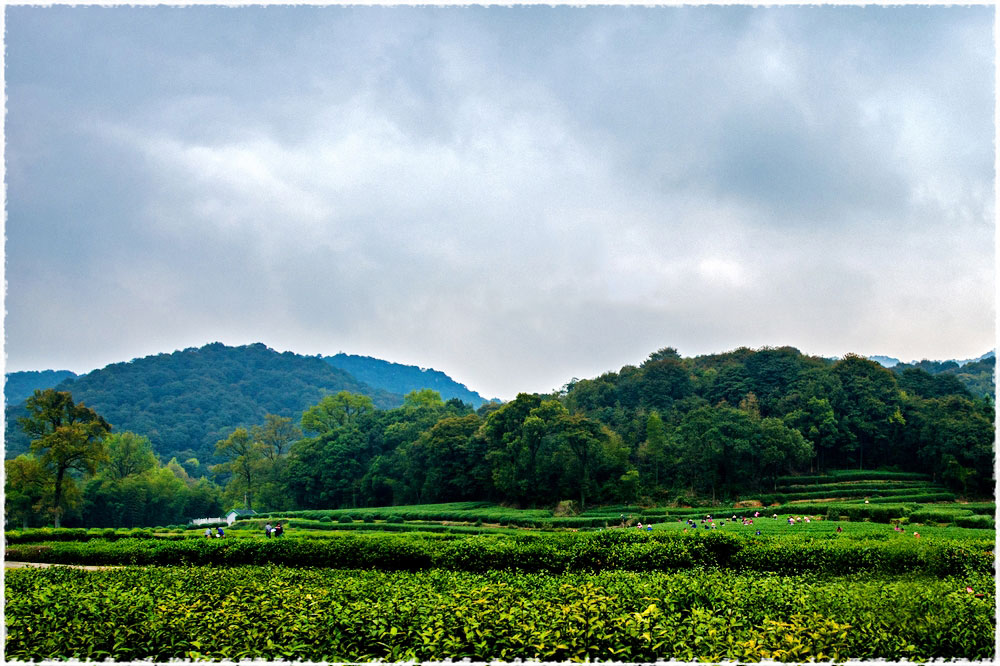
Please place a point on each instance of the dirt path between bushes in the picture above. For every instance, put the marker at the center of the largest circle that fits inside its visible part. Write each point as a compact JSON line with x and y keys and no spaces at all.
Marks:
{"x":44,"y":565}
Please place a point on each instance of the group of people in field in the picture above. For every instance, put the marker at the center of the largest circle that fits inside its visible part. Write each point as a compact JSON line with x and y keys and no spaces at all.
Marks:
{"x":708,"y":522}
{"x":269,"y":531}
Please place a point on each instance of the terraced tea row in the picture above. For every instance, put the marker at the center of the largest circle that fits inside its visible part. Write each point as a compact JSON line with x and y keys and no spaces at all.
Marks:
{"x":340,"y":615}
{"x":619,"y":550}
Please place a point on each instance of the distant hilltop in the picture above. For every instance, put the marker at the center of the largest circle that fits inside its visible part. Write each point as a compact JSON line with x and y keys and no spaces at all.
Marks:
{"x":401,"y":379}
{"x":187,"y":400}
{"x":891,"y":362}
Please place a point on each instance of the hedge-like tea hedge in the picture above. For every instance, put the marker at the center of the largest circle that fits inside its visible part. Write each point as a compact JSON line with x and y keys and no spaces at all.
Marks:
{"x":618,"y":550}
{"x":38,"y":534}
{"x":277,"y":613}
{"x":851,"y":475}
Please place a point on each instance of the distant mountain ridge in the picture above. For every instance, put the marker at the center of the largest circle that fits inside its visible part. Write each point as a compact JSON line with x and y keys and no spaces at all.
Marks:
{"x":19,"y":386}
{"x":977,"y":374}
{"x":187,"y":400}
{"x":402,"y":379}
{"x":891,"y":362}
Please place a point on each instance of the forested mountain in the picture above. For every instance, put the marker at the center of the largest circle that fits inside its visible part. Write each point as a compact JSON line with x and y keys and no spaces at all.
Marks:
{"x":18,"y":386}
{"x":402,"y":379}
{"x":977,"y":376}
{"x":188,"y":400}
{"x":292,"y":432}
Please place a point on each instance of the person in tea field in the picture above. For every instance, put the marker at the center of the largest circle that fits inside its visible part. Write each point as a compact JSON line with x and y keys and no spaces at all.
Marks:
{"x":267,"y":530}
{"x":208,"y":532}
{"x":221,"y":534}
{"x":839,"y":528}
{"x":278,"y":530}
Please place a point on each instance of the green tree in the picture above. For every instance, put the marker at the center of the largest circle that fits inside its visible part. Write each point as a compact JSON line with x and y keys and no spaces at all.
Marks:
{"x":275,"y":436}
{"x":868,"y":406}
{"x":67,"y":437}
{"x":336,"y":411}
{"x":655,"y":448}
{"x":583,"y":437}
{"x":664,"y":381}
{"x":817,"y":423}
{"x":243,"y":456}
{"x":781,"y":450}
{"x":129,"y":454}
{"x":423,"y":398}
{"x":27,"y":488}
{"x":446,"y":463}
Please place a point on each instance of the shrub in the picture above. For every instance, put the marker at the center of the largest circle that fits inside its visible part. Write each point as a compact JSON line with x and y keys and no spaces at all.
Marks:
{"x":394,"y":519}
{"x":938,"y":515}
{"x":345,"y":518}
{"x":979,"y":521}
{"x":368,"y":518}
{"x":325,"y":519}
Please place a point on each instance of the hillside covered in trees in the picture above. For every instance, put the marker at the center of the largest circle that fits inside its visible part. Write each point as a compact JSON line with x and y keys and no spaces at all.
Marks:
{"x":976,"y":376}
{"x":18,"y":386}
{"x":187,"y":400}
{"x":401,"y":379}
{"x":717,"y":427}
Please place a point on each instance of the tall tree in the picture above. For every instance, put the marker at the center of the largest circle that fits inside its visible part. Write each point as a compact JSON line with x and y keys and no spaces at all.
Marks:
{"x":243,"y":456}
{"x":67,"y":436}
{"x":336,"y":411}
{"x":26,"y":488}
{"x":275,"y":436}
{"x":654,"y":449}
{"x":129,"y":454}
{"x":869,"y":406}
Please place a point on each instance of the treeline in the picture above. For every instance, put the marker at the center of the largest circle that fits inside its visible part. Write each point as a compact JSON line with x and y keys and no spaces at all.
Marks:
{"x":724,"y":427}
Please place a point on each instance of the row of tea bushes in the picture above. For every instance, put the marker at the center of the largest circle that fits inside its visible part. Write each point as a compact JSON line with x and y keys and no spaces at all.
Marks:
{"x":594,"y":551}
{"x":937,"y":493}
{"x":837,"y":476}
{"x":277,"y":613}
{"x":37,"y":534}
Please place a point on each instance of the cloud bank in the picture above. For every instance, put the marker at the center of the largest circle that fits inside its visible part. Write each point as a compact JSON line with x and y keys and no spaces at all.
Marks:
{"x":513,"y":195}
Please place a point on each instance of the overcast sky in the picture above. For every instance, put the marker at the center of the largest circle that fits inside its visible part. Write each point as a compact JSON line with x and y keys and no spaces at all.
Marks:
{"x":514,"y":196}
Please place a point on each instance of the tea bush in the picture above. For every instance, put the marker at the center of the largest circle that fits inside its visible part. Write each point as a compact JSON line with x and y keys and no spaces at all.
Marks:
{"x":276,"y":613}
{"x":596,"y":551}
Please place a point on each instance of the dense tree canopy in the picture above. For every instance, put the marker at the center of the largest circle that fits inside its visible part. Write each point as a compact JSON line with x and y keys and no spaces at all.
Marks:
{"x":724,"y":426}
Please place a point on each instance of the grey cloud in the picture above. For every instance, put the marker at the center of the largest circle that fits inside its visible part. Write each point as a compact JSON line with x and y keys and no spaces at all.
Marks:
{"x":513,"y":195}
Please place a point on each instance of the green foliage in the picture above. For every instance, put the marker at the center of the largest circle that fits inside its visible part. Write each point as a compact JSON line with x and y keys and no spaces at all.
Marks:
{"x":272,"y":613}
{"x":700,"y":431}
{"x":188,"y":400}
{"x":402,"y":379}
{"x":66,"y":437}
{"x":620,"y":549}
{"x":19,"y":386}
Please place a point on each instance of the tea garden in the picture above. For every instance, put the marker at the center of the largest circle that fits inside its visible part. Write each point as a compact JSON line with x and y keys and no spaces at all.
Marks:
{"x":479,"y":581}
